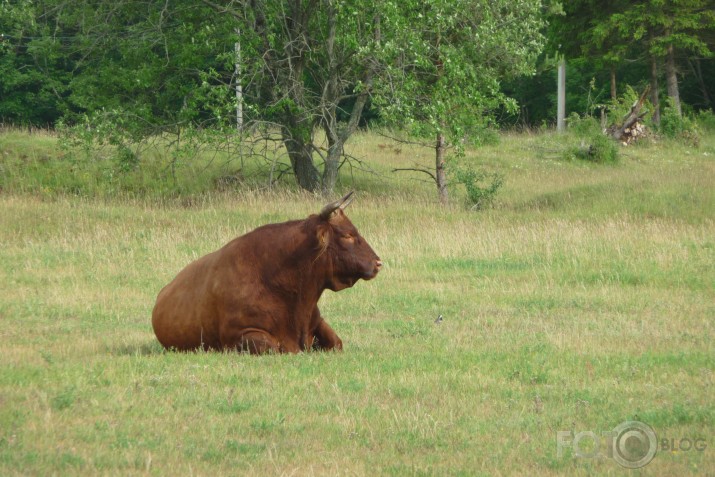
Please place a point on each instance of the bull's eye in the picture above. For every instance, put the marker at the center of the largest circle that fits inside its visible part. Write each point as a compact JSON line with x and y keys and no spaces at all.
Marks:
{"x":348,"y":238}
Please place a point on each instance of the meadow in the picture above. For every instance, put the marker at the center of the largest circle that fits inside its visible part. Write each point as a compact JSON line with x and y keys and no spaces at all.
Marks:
{"x":583,"y":298}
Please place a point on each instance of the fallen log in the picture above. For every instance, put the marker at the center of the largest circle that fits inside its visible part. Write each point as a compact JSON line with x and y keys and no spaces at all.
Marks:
{"x":617,"y":132}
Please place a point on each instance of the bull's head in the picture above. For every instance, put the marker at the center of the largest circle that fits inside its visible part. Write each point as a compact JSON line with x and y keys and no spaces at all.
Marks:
{"x":349,"y":256}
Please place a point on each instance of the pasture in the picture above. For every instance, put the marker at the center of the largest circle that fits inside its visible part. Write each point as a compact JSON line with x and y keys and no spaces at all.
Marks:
{"x":584,"y":298}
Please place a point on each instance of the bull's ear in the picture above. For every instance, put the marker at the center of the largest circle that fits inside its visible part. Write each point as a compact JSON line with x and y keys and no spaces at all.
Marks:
{"x":333,"y":206}
{"x":323,"y":237}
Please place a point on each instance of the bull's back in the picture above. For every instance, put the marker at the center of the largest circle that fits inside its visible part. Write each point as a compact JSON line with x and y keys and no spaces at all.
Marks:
{"x":182,"y":315}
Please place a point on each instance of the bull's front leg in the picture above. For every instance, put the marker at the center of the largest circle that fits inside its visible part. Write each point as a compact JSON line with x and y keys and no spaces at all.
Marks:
{"x":325,"y":337}
{"x":251,"y":340}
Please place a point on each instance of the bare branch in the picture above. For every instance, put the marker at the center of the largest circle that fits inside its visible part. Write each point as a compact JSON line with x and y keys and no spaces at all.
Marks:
{"x":429,"y":145}
{"x":416,"y":169}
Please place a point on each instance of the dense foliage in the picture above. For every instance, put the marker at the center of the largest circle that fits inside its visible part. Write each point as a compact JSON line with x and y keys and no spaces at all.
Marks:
{"x":164,"y":63}
{"x":313,"y":70}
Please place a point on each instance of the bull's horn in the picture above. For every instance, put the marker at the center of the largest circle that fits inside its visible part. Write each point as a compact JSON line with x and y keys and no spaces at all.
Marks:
{"x":333,"y":206}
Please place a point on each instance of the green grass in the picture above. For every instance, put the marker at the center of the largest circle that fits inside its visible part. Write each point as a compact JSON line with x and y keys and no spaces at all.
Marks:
{"x":583,"y":298}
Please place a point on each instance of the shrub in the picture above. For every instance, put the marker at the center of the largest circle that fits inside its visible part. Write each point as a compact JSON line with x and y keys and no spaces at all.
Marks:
{"x":126,"y":159}
{"x":583,"y":126}
{"x":481,"y":186}
{"x":484,"y":137}
{"x":597,"y":148}
{"x":706,"y":120}
{"x":602,"y":149}
{"x":594,"y":145}
{"x":676,"y":126}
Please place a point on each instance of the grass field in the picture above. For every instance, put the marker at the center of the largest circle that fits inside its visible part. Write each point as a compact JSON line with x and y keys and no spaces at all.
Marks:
{"x":584,"y":298}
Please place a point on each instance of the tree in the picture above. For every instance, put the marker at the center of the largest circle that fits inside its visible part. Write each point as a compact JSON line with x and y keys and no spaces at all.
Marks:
{"x":314,"y":56}
{"x":580,"y":32}
{"x":605,"y":40}
{"x":665,"y":26}
{"x":156,"y":67}
{"x":447,"y":80}
{"x":33,"y":73}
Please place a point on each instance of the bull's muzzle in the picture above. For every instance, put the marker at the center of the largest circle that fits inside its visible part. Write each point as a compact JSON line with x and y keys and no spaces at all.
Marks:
{"x":378,"y":267}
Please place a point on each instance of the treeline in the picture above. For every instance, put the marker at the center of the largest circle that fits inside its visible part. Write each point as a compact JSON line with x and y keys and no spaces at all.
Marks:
{"x":666,"y":44}
{"x":444,"y":69}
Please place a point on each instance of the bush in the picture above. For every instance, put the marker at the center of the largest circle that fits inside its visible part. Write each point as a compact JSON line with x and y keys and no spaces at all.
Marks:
{"x":481,"y":186}
{"x":706,"y":120}
{"x":594,"y":145}
{"x":597,"y":148}
{"x":126,"y":159}
{"x":483,"y":137}
{"x":603,"y":150}
{"x":583,"y":126}
{"x":680,"y":127}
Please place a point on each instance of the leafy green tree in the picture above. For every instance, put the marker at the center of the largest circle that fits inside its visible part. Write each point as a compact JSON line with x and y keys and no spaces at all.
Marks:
{"x":663,"y":27}
{"x":452,"y":58}
{"x":605,"y":40}
{"x":310,"y":58}
{"x":581,"y":32}
{"x":33,"y":72}
{"x":154,"y":66}
{"x":159,"y":66}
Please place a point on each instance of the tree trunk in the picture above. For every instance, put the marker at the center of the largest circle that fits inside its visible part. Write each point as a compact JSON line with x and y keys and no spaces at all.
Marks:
{"x":330,"y":171}
{"x":441,"y":173}
{"x":297,"y":121}
{"x":301,"y":159}
{"x":654,"y":90}
{"x":671,"y":79}
{"x":305,"y":172}
{"x":328,"y":106}
{"x":698,"y":72}
{"x":337,"y":137}
{"x":337,"y":140}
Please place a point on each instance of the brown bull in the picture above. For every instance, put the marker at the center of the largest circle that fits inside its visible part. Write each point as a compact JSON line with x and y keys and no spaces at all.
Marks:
{"x":260,"y":291}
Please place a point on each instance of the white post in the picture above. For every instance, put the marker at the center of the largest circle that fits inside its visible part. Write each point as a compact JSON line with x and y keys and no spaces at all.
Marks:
{"x":239,"y":88}
{"x":561,"y":103}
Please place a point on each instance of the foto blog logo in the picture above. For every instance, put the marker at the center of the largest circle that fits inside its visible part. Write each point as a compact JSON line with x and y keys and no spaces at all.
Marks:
{"x":632,"y":444}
